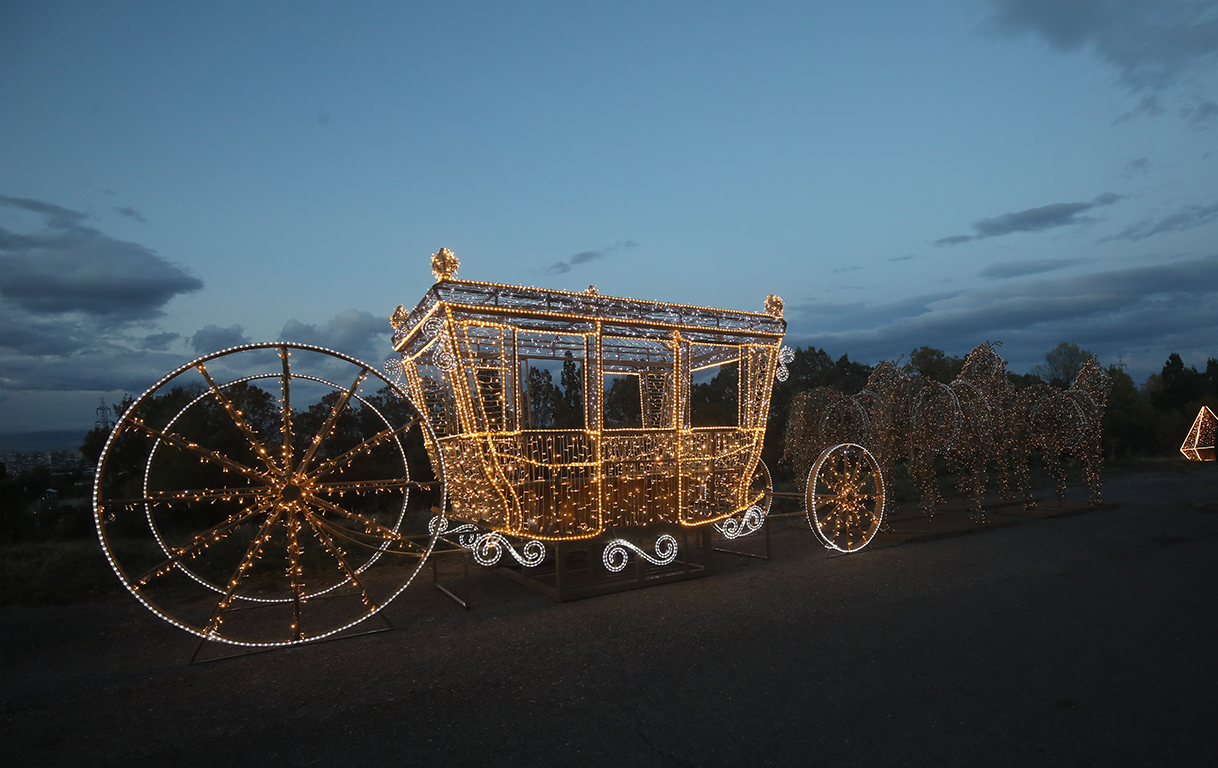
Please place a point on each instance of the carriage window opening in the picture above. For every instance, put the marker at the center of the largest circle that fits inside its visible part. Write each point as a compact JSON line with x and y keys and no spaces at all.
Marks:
{"x":714,"y":396}
{"x":554,"y":392}
{"x":623,"y":404}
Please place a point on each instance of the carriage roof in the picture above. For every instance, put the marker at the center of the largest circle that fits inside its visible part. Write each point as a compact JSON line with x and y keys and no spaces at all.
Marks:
{"x":555,"y":311}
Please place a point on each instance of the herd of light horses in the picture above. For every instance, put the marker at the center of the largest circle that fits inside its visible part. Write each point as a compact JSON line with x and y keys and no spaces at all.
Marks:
{"x":979,"y":428}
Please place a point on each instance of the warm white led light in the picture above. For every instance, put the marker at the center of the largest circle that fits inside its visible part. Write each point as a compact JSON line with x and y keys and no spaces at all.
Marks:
{"x":290,"y":496}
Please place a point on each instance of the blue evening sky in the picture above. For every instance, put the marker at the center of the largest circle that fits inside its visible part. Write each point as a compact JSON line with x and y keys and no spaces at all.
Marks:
{"x":177,"y":177}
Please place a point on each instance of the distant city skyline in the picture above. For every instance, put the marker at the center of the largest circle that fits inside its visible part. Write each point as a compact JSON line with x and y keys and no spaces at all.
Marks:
{"x":179,"y":177}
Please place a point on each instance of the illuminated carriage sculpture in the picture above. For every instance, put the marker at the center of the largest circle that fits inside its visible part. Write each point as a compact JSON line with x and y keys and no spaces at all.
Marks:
{"x":289,"y":524}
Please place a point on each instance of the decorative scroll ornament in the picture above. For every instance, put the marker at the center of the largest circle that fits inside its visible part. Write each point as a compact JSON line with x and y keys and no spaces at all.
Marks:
{"x":592,"y":291}
{"x":444,"y":264}
{"x":466,"y":533}
{"x":394,"y":369}
{"x":785,"y":355}
{"x":736,"y":527}
{"x":616,"y":555}
{"x":489,"y":547}
{"x":443,"y":358}
{"x":773,"y":305}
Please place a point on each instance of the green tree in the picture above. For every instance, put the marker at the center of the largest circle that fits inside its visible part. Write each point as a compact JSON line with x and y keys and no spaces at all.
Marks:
{"x":623,"y":407}
{"x":1181,"y":386}
{"x":1062,"y":364}
{"x":935,"y":364}
{"x":571,"y":405}
{"x":1130,"y":423}
{"x":544,"y":399}
{"x":715,"y":403}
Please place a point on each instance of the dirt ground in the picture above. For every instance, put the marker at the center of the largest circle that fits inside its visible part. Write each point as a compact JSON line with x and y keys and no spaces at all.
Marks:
{"x":1082,"y":640}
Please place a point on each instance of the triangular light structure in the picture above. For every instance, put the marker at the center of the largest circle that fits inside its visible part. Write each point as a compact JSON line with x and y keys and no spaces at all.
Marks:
{"x":1199,"y":445}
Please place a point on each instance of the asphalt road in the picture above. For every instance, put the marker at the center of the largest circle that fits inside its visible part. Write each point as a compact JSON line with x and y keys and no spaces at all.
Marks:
{"x":1084,"y":640}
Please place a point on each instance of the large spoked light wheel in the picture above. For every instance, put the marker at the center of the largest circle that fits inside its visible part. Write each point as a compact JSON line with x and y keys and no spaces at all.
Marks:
{"x":268,"y":494}
{"x":845,"y":497}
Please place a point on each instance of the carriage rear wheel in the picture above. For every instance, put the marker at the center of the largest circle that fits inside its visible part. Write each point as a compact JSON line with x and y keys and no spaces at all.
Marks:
{"x":268,"y":494}
{"x":845,"y":497}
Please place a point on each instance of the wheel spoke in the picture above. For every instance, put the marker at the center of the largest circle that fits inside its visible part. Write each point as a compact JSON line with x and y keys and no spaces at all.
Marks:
{"x":177,"y":441}
{"x":285,"y":411}
{"x":381,"y":545}
{"x":345,"y":459}
{"x":294,"y":571}
{"x":200,"y":542}
{"x":368,"y":485}
{"x":251,"y":556}
{"x":370,"y":526}
{"x":168,"y":497}
{"x":337,"y":553}
{"x":235,"y":415}
{"x":335,"y":411}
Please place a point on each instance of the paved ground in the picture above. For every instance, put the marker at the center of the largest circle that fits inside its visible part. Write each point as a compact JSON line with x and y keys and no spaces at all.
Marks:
{"x":1085,"y":640}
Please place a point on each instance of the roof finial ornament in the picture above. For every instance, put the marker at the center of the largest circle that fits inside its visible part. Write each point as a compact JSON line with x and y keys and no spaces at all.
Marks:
{"x":444,"y":264}
{"x":773,"y":305}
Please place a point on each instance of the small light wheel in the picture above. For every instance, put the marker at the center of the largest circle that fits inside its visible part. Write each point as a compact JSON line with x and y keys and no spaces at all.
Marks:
{"x":845,"y":497}
{"x":268,"y":494}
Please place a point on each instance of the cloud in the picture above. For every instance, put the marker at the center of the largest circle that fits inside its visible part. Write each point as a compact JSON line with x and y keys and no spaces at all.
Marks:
{"x":1139,"y":167}
{"x":71,"y":268}
{"x":1023,"y":268}
{"x":356,"y":333}
{"x":1154,"y":46}
{"x":212,"y":338}
{"x":57,"y":217}
{"x":1160,"y":308}
{"x":1202,"y":115}
{"x":903,"y":258}
{"x":583,"y":257}
{"x":1031,"y":220}
{"x":1188,"y":217}
{"x":78,"y":308}
{"x":839,"y":270}
{"x":159,"y":342}
{"x":131,"y":213}
{"x":1148,"y":106}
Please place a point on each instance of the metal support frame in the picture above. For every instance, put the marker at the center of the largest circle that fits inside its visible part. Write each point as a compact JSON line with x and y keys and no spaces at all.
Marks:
{"x":574,"y":569}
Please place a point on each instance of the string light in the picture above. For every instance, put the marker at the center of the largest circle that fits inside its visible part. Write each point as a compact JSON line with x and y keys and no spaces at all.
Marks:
{"x":617,"y":553}
{"x":286,"y":483}
{"x":1199,"y":444}
{"x":976,"y":422}
{"x":464,"y":357}
{"x":466,"y":351}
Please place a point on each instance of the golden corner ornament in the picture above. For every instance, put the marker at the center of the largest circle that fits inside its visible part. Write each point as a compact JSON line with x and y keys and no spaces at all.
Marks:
{"x":291,"y":492}
{"x":1199,"y":444}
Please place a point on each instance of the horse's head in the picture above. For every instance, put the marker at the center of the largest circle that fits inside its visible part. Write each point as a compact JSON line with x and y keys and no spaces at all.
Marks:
{"x":1094,"y":382}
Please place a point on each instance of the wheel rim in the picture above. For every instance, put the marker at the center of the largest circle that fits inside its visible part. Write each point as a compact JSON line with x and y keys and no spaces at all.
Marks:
{"x":762,"y":486}
{"x":845,"y":497}
{"x":258,"y":523}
